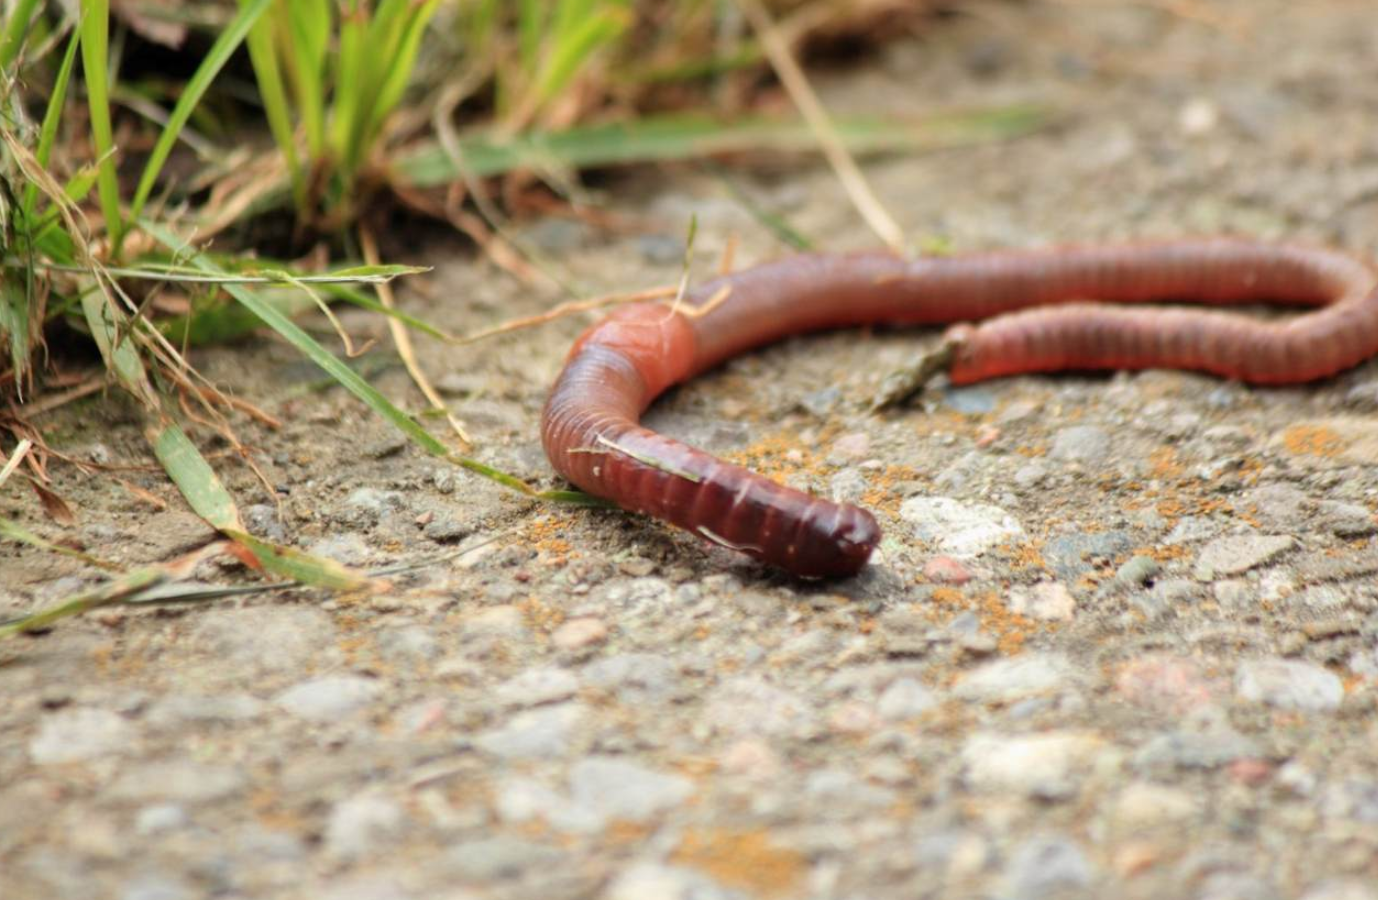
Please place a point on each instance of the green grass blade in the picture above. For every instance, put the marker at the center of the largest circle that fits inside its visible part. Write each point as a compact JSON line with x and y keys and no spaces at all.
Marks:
{"x":16,"y":28}
{"x":194,"y":477}
{"x":121,"y":357}
{"x":111,"y":592}
{"x":95,"y":25}
{"x":219,"y":54}
{"x":52,"y":118}
{"x":308,"y":346}
{"x":18,"y":533}
{"x":273,"y":93}
{"x":575,"y":48}
{"x":293,"y":564}
{"x":666,"y":138}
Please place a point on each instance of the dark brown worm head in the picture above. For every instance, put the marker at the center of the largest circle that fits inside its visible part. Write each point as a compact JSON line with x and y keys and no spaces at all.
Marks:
{"x":832,"y":545}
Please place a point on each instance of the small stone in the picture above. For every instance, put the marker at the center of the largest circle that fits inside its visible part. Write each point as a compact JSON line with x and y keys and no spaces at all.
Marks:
{"x":1048,"y":766}
{"x":1026,"y":675}
{"x":851,"y":447}
{"x":408,"y":644}
{"x":1346,"y":520}
{"x":750,"y":706}
{"x":545,"y":732}
{"x":157,"y":887}
{"x":652,"y":881}
{"x":1142,"y":807}
{"x":1047,"y":866}
{"x":635,"y":677}
{"x":1342,"y":889}
{"x":1048,"y":601}
{"x":607,"y":789}
{"x":328,"y":698}
{"x":962,"y":530}
{"x":1239,"y":553}
{"x":1073,"y":555}
{"x":495,"y":621}
{"x":1289,"y":684}
{"x":1165,"y":683}
{"x":159,"y":818}
{"x":177,"y":781}
{"x":905,"y":698}
{"x":198,"y":709}
{"x":538,"y":686}
{"x":499,"y":858}
{"x":447,"y":530}
{"x":1199,"y":116}
{"x":751,"y":758}
{"x":1080,"y":444}
{"x":843,"y":793}
{"x":946,"y":570}
{"x":79,"y":734}
{"x":361,"y":824}
{"x":579,"y":634}
{"x":1138,"y":570}
{"x":299,"y":636}
{"x":349,"y":549}
{"x":1208,"y":749}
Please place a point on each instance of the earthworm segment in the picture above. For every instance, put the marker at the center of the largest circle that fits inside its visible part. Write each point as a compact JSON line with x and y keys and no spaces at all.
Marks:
{"x":1017,"y":311}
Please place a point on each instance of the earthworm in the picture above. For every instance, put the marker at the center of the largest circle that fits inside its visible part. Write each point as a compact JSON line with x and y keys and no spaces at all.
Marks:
{"x":1031,"y":314}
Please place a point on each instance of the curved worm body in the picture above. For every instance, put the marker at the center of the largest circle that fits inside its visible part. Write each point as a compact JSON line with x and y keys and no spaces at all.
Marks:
{"x":1032,"y":315}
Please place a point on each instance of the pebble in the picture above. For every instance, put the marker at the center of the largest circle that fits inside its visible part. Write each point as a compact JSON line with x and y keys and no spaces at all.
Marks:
{"x":541,"y":733}
{"x":604,"y":790}
{"x":1289,"y":684}
{"x":178,"y":781}
{"x":1239,"y":553}
{"x":750,"y":706}
{"x":159,"y":818}
{"x":1046,"y":866}
{"x":1164,"y":683}
{"x":328,"y":698}
{"x":844,"y":794}
{"x":653,"y":881}
{"x":538,"y":686}
{"x":635,"y":677}
{"x":408,"y":645}
{"x":1080,"y":444}
{"x":1342,"y":889}
{"x":360,"y":825}
{"x":157,"y":887}
{"x":348,"y":549}
{"x":1346,"y":520}
{"x":1073,"y":555}
{"x":1142,"y":807}
{"x":751,"y":758}
{"x":1049,"y":766}
{"x":299,"y":636}
{"x":905,"y":698}
{"x":579,"y":634}
{"x":1026,"y":675}
{"x":1047,"y":601}
{"x":851,"y":447}
{"x":445,"y":529}
{"x":80,"y":734}
{"x":1208,"y":749}
{"x":962,"y":530}
{"x":497,"y":858}
{"x":1137,"y":570}
{"x":495,"y":622}
{"x":199,"y":709}
{"x":946,"y":570}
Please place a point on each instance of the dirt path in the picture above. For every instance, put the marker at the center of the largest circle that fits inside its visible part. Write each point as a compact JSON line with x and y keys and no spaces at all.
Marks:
{"x":1122,"y":639}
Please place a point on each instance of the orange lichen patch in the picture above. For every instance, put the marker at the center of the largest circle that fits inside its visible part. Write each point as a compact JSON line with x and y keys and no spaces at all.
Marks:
{"x":1011,"y":629}
{"x":1022,"y":557}
{"x":777,"y":456}
{"x":1313,"y":440}
{"x":547,"y":535}
{"x":1163,"y":554}
{"x":627,"y":833}
{"x":884,"y":495}
{"x":1032,"y":450}
{"x":540,"y":616}
{"x":1165,"y":464}
{"x":748,"y":860}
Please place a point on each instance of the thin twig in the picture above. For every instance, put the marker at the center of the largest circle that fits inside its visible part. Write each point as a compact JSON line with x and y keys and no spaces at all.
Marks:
{"x":401,"y":338}
{"x":569,"y":307}
{"x":797,"y":85}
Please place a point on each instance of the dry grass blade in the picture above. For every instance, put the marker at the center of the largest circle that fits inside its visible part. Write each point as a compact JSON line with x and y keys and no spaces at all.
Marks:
{"x":401,"y":338}
{"x":566,"y":309}
{"x":795,"y":82}
{"x":17,"y":457}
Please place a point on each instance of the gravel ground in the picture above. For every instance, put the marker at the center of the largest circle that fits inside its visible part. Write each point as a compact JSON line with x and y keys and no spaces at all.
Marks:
{"x":1121,"y":639}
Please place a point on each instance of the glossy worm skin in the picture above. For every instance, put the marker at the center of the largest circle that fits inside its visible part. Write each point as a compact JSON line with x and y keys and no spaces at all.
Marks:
{"x":1032,"y":315}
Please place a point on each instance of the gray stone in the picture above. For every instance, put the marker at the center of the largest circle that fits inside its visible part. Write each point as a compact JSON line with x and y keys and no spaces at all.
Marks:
{"x":1346,"y":519}
{"x":905,"y":698}
{"x":445,"y":529}
{"x":1195,"y":750}
{"x":963,"y":530}
{"x":79,"y":734}
{"x":1015,"y":678}
{"x":1050,"y":765}
{"x":1137,"y":570}
{"x":497,"y":858}
{"x":606,"y":789}
{"x":177,"y":781}
{"x":653,"y":881}
{"x":1080,"y":444}
{"x":1342,"y":889}
{"x":157,"y":887}
{"x":1047,"y":601}
{"x":363,"y":823}
{"x":265,"y":638}
{"x":1191,"y":528}
{"x":408,"y":644}
{"x":539,"y":733}
{"x":1289,"y":684}
{"x":1046,"y":866}
{"x":1237,"y":886}
{"x":200,"y":709}
{"x":844,"y":794}
{"x":328,"y":698}
{"x":1073,"y":555}
{"x":750,"y":706}
{"x":1276,"y":505}
{"x":159,"y":818}
{"x":537,"y":686}
{"x":1239,"y":553}
{"x":349,"y":549}
{"x":972,"y":400}
{"x":635,"y":677}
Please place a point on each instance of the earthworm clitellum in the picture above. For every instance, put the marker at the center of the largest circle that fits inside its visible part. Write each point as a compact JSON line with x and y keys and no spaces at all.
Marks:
{"x":1032,"y":315}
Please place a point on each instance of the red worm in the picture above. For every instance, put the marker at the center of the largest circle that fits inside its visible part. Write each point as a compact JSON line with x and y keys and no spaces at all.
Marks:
{"x":1037,"y":321}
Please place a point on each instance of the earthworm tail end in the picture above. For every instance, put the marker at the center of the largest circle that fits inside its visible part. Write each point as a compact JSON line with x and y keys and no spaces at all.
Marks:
{"x":591,"y":436}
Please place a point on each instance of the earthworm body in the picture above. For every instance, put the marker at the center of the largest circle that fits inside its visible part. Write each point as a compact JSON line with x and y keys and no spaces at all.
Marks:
{"x":1032,"y":316}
